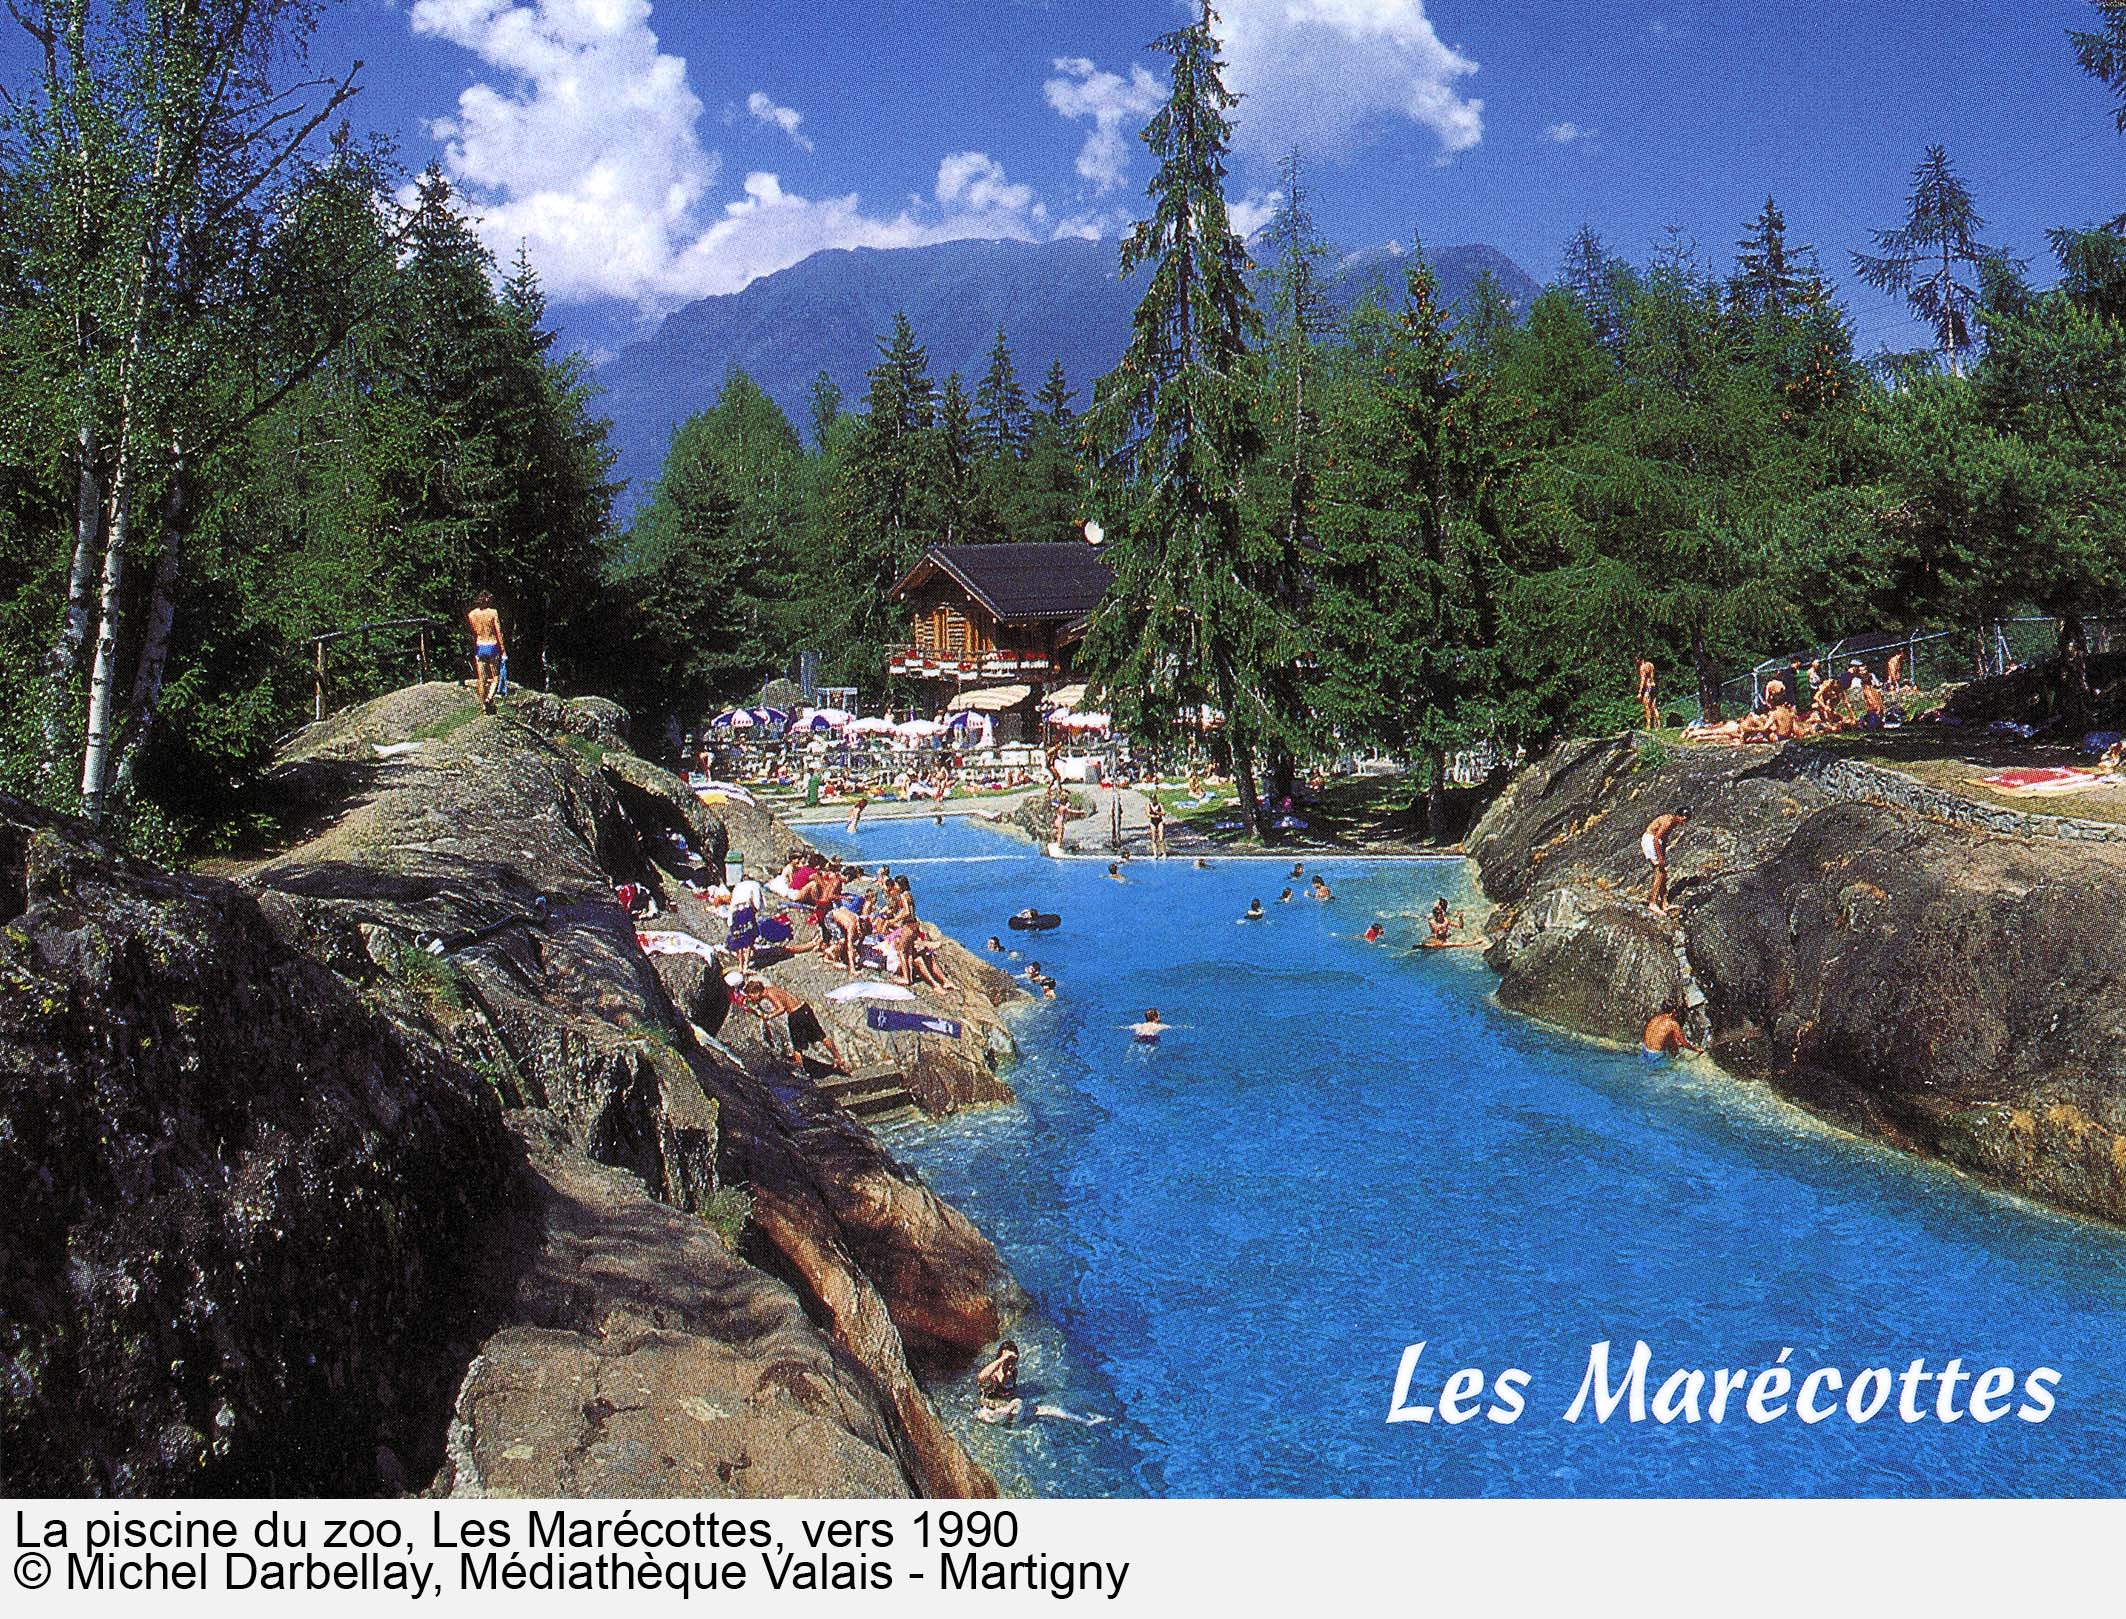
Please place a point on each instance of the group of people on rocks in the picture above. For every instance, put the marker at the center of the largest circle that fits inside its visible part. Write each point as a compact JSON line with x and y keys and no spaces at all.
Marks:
{"x":1802,"y":703}
{"x":861,"y":922}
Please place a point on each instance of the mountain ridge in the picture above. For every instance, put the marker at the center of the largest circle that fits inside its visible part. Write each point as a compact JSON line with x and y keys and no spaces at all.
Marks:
{"x":1057,"y":300}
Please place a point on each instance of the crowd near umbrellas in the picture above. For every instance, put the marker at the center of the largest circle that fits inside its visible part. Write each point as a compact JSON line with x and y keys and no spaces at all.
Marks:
{"x":745,"y":719}
{"x":1069,"y":720}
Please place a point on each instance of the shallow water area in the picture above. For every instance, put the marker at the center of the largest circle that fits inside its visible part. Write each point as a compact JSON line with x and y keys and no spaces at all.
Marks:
{"x":1345,"y":1148}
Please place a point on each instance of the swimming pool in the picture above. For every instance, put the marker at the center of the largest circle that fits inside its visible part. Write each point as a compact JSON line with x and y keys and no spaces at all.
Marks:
{"x":1347,"y":1148}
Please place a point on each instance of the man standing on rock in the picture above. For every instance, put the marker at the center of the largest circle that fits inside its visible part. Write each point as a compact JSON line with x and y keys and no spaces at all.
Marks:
{"x":1653,"y":843}
{"x":488,"y":648}
{"x":1649,"y":710}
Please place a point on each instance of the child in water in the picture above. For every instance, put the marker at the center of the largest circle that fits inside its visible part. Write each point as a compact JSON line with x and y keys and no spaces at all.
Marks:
{"x":1147,"y":1033}
{"x":1254,"y":911}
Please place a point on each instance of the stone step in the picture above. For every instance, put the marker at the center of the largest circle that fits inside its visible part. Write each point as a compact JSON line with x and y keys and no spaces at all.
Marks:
{"x":870,"y":1076}
{"x":873,"y":1105}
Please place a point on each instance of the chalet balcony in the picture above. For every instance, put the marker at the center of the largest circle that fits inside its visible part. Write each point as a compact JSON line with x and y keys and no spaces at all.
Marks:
{"x":920,"y":662}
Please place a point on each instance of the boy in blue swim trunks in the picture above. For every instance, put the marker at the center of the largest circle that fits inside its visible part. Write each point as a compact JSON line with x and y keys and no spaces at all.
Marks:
{"x":488,"y":648}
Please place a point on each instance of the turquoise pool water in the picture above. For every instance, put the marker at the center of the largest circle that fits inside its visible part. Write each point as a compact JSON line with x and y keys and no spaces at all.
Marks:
{"x":1347,"y":1148}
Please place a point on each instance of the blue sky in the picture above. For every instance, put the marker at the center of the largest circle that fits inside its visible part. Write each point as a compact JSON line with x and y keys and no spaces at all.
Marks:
{"x":651,"y":151}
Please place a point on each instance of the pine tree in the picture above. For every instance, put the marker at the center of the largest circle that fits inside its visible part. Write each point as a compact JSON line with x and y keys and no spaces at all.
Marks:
{"x":1299,"y":317}
{"x":1935,"y":260}
{"x":893,"y":462}
{"x":1770,"y":278}
{"x":1600,"y":284}
{"x":1194,"y":612}
{"x":1045,"y":496}
{"x":1409,"y":603}
{"x":959,"y":470}
{"x":1488,"y":323}
{"x":1000,"y":405}
{"x":823,"y":403}
{"x":2102,"y":53}
{"x":1054,"y":401}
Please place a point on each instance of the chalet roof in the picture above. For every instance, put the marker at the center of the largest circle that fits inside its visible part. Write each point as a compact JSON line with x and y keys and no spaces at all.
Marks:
{"x":1018,"y":583}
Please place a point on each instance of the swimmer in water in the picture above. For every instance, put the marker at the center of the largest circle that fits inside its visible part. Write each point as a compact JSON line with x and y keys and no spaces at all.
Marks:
{"x":1320,"y":890}
{"x":1048,"y":989}
{"x":1299,"y":870}
{"x":995,"y":945}
{"x":1202,"y":864}
{"x":1285,"y":898}
{"x":1442,"y":927}
{"x":1114,"y":873}
{"x":1032,"y":972}
{"x":1375,"y":933}
{"x":1150,"y":1029}
{"x":1665,"y":1034}
{"x":998,"y":1385}
{"x":1254,"y":911}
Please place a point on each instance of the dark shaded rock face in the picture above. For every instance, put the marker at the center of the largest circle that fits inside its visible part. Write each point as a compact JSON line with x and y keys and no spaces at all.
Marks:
{"x":241,"y":1250}
{"x":1947,"y":990}
{"x":299,"y":1197}
{"x":592,"y":1044}
{"x":642,"y":1358}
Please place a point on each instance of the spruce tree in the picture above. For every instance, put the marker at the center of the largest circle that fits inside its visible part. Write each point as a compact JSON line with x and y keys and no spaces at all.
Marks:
{"x":1770,"y":279}
{"x":1411,"y":576}
{"x":1299,"y":318}
{"x":893,"y":463}
{"x":1935,"y":260}
{"x":2101,"y":51}
{"x":1000,"y":405}
{"x":1194,"y":614}
{"x":958,"y":464}
{"x":823,"y":405}
{"x":1599,"y":283}
{"x":1054,"y":401}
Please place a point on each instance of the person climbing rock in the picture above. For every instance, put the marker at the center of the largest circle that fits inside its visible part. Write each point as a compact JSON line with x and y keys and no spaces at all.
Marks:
{"x":1653,"y":843}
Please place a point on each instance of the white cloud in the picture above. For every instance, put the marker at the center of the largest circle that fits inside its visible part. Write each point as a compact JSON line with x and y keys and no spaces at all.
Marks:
{"x":1113,"y":103}
{"x":1566,"y":132}
{"x":1252,"y":212}
{"x":762,"y":106}
{"x":589,"y":153}
{"x":1321,"y":74}
{"x":975,"y":181}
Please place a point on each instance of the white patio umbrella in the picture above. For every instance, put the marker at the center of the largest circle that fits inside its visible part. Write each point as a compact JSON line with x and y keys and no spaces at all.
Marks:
{"x":869,"y":725}
{"x":919,"y":729}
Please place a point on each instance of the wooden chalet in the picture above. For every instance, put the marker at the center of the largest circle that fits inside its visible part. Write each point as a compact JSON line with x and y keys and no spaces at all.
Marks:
{"x":994,"y":626}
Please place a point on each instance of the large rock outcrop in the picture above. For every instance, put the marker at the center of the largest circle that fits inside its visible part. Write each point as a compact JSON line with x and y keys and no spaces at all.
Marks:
{"x":642,"y":1357}
{"x":243,"y":1248}
{"x":1949,"y":990}
{"x":583,"y":1033}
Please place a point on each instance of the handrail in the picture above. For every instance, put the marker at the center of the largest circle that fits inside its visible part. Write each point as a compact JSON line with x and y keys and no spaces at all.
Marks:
{"x":420,"y":625}
{"x":381,"y":624}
